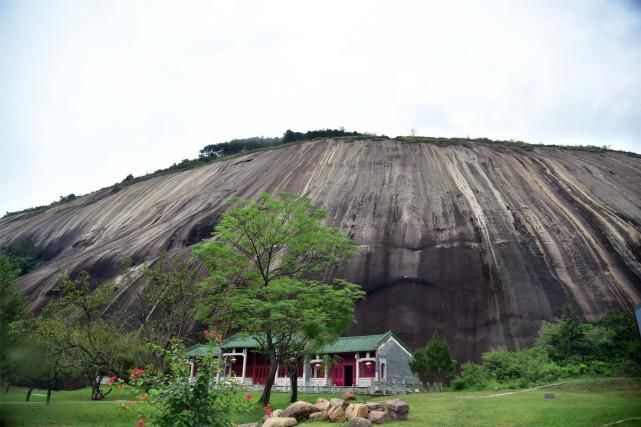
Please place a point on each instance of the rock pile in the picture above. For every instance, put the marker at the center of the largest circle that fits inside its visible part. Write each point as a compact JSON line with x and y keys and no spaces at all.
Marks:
{"x":339,"y":410}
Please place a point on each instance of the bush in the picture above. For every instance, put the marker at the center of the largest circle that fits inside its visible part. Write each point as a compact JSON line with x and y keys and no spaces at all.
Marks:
{"x":472,"y":376}
{"x":568,"y":348}
{"x":170,"y":399}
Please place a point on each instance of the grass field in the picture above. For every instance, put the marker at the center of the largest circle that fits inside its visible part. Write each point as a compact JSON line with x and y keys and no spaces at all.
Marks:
{"x":585,"y":403}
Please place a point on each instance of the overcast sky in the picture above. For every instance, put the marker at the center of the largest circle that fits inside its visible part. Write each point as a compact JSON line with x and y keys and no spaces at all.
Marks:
{"x":91,"y":91}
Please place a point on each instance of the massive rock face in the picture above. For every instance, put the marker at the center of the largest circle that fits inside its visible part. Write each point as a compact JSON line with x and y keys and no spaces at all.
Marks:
{"x":481,"y":242}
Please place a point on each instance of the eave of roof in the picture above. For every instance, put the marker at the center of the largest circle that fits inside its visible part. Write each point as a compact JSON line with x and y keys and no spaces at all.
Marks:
{"x":201,"y":350}
{"x":342,"y":345}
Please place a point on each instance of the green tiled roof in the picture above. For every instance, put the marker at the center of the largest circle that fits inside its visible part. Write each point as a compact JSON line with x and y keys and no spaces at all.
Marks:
{"x":359,"y":343}
{"x":240,"y":341}
{"x":200,"y":350}
{"x":342,"y":345}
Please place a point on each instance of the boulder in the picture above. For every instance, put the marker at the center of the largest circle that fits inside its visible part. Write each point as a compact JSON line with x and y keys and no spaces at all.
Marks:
{"x":375,"y":406}
{"x":359,"y":422}
{"x":335,"y":402}
{"x":299,"y":410}
{"x":336,"y":414}
{"x":319,"y":416}
{"x":348,"y":395}
{"x":280,"y":422}
{"x":378,"y":417}
{"x":356,"y":410}
{"x":397,"y":409}
{"x":322,"y":404}
{"x":246,"y":425}
{"x":277,"y":413}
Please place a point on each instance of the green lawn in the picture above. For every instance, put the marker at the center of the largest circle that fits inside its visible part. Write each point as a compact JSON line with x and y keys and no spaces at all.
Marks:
{"x":589,"y":403}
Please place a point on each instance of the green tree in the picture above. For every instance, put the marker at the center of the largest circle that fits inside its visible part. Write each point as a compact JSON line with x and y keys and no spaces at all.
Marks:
{"x":11,"y":310}
{"x":434,"y":362}
{"x":41,"y":361}
{"x":565,"y":342}
{"x":262,"y":257}
{"x":77,"y":327}
{"x":165,"y":302}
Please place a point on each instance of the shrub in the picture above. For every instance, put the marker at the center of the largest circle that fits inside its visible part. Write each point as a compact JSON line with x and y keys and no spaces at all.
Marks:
{"x":472,"y":376}
{"x":170,"y":399}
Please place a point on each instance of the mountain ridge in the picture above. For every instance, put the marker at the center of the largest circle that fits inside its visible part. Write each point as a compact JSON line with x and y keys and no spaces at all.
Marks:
{"x":481,"y":242}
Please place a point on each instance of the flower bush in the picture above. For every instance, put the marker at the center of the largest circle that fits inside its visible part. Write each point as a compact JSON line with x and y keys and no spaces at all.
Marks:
{"x":171,"y":398}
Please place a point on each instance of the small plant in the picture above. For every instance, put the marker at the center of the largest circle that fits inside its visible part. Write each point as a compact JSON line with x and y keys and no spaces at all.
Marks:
{"x":172,"y":398}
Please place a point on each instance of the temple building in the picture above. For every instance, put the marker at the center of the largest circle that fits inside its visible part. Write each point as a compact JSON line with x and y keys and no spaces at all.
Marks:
{"x":360,"y":362}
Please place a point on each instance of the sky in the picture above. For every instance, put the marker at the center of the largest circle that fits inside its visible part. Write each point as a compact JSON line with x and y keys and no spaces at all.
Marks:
{"x":91,"y":91}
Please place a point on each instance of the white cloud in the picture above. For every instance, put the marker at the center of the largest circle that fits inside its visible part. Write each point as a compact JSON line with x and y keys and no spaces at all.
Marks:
{"x":91,"y":91}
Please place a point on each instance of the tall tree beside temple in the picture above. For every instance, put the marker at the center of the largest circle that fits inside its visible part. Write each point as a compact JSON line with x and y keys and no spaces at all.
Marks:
{"x":262,"y":257}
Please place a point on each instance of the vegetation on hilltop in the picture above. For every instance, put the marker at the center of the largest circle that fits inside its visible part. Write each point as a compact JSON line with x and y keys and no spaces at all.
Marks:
{"x":228,"y":149}
{"x":211,"y":153}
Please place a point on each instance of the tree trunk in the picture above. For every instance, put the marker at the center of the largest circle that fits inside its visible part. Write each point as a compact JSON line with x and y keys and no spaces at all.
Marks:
{"x":293,"y":380}
{"x":6,"y":390}
{"x":269,"y":382}
{"x":96,"y":394}
{"x":49,"y":393}
{"x":29,"y":393}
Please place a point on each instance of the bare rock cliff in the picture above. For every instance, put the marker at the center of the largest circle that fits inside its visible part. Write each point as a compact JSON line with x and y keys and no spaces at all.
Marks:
{"x":479,"y":241}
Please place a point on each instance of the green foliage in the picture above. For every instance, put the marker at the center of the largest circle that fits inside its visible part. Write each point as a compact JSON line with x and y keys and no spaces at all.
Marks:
{"x":23,"y":255}
{"x":237,"y":145}
{"x":169,"y":398}
{"x":566,"y":349}
{"x":262,"y":257}
{"x":471,"y":377}
{"x":165,"y":301}
{"x":76,"y":328}
{"x":506,"y":143}
{"x":11,"y":310}
{"x":291,"y":136}
{"x":434,"y":362}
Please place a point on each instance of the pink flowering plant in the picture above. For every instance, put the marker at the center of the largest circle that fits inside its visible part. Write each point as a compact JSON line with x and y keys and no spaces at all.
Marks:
{"x":171,"y":398}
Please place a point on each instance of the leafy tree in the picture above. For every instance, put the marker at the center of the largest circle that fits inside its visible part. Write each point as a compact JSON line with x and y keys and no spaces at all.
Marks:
{"x":434,"y":362}
{"x":41,"y":361}
{"x":11,"y":310}
{"x":23,"y":255}
{"x":262,"y":256}
{"x":565,"y":342}
{"x":77,"y":328}
{"x":165,"y":303}
{"x":237,"y":146}
{"x":291,"y":136}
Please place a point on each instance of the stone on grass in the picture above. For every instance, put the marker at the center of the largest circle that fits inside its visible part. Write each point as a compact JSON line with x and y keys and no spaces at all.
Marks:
{"x":348,"y":395}
{"x":299,"y":410}
{"x":397,"y":409}
{"x":359,"y":422}
{"x":319,"y":416}
{"x":378,"y":417}
{"x":336,"y":413}
{"x":374,"y":406}
{"x":335,"y":402}
{"x":356,"y":410}
{"x":247,"y":425}
{"x":280,"y":422}
{"x":322,"y":404}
